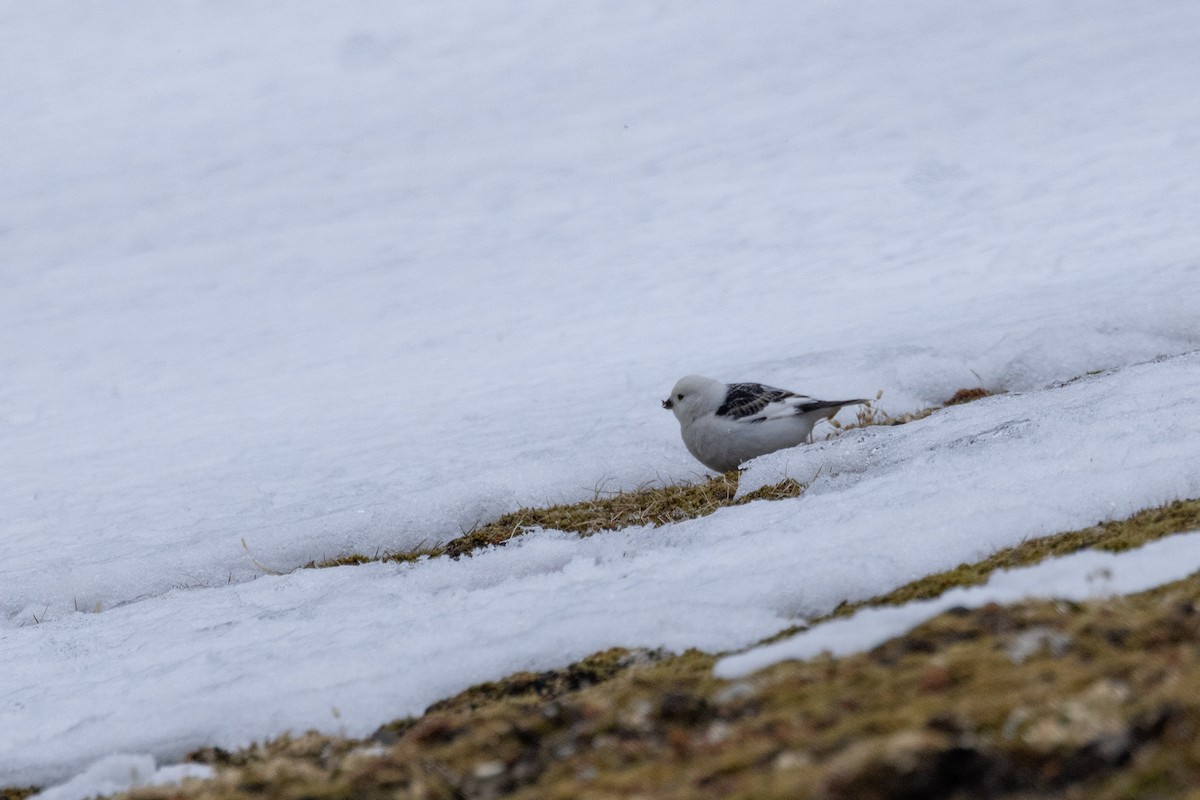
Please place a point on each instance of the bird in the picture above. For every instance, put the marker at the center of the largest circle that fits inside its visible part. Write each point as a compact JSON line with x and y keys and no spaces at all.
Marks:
{"x":726,"y":425}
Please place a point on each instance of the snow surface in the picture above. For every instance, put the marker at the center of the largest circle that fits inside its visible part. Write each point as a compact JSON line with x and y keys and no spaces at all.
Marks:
{"x":346,"y":649}
{"x":1080,"y":576}
{"x":357,"y":278}
{"x":120,"y":773}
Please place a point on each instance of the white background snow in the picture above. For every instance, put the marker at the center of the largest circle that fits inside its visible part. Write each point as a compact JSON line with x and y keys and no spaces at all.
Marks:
{"x":355,"y":278}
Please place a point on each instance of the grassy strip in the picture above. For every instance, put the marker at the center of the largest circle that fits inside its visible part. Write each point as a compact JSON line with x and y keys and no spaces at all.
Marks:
{"x":1114,"y":536}
{"x":1100,"y":683}
{"x":655,"y":506}
{"x":1041,"y":699}
{"x":658,"y":506}
{"x":1044,"y":699}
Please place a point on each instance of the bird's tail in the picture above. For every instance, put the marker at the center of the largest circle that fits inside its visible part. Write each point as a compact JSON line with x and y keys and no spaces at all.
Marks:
{"x":832,"y":405}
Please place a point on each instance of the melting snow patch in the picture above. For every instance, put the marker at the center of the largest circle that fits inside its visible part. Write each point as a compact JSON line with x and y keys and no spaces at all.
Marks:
{"x":120,"y":773}
{"x":1079,"y":576}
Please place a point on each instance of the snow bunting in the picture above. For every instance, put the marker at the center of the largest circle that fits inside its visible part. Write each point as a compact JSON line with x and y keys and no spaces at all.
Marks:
{"x":726,"y":425}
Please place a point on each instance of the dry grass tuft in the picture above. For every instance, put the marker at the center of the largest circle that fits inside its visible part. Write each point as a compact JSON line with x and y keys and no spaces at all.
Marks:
{"x":967,"y":395}
{"x":871,"y":414}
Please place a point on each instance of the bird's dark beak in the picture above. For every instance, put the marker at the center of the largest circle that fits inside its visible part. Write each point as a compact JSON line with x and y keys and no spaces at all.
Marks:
{"x":668,"y":404}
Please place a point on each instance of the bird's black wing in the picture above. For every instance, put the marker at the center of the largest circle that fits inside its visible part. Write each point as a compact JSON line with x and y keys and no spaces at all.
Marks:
{"x":748,"y":399}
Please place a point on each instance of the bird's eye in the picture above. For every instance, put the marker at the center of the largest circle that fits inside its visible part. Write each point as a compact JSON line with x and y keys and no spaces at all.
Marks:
{"x":678,"y":397}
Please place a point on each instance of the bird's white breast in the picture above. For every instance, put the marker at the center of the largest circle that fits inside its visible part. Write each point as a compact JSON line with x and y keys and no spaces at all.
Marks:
{"x":723,"y":444}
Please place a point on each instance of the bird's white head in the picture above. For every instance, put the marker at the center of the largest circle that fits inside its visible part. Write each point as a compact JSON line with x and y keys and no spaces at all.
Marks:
{"x":694,"y":396}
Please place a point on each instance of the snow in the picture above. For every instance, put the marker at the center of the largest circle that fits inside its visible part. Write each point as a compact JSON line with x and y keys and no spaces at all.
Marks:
{"x":346,"y":649}
{"x":358,"y":278}
{"x":1077,"y":577}
{"x":120,"y":773}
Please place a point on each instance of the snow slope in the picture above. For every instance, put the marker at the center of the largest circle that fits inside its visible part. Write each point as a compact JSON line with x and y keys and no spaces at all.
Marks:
{"x":353,"y":279}
{"x":351,"y":647}
{"x":356,"y":278}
